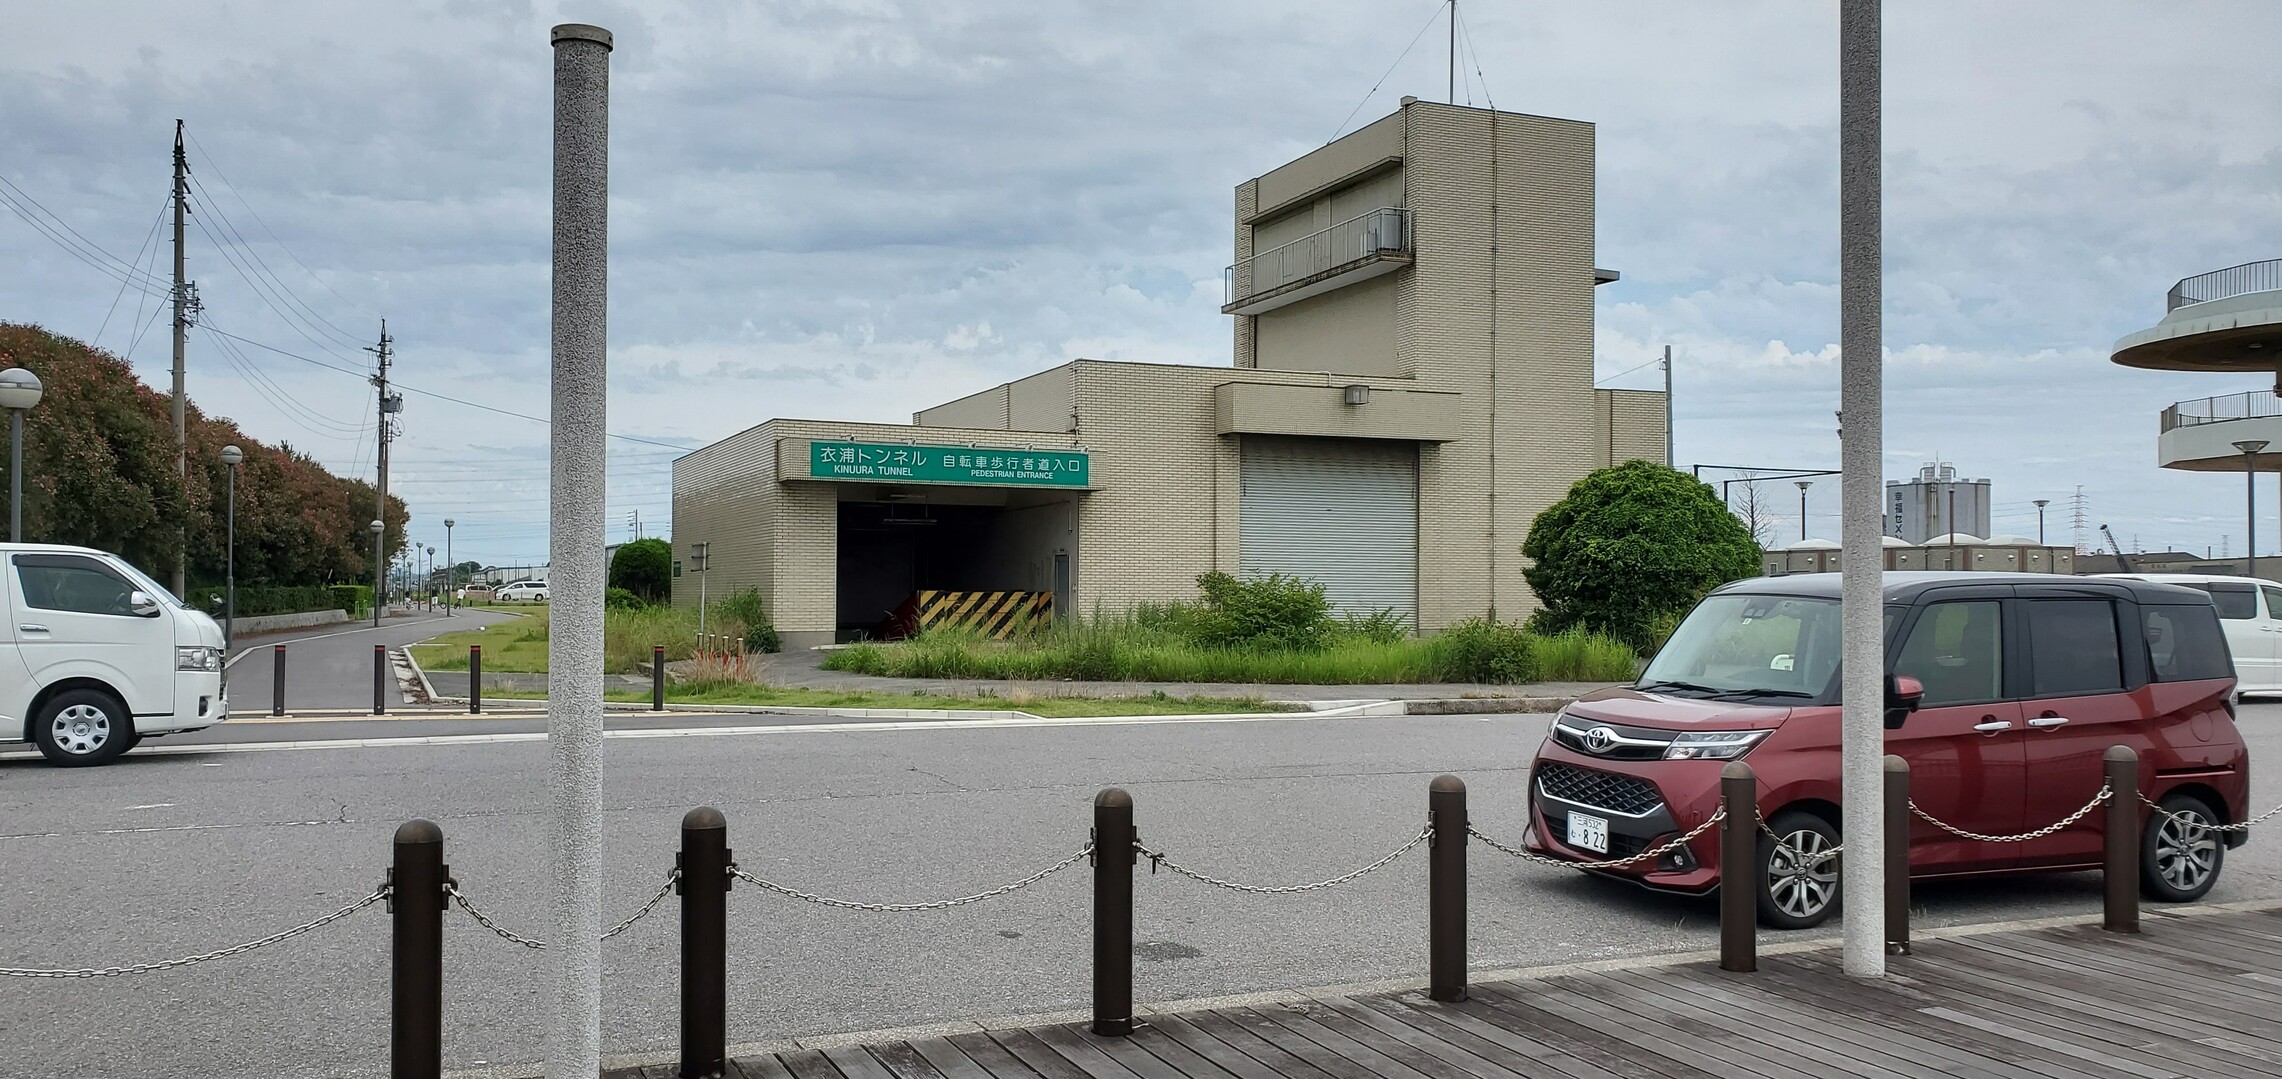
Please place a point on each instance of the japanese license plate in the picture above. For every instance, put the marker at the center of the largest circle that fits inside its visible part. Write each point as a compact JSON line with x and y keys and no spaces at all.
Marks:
{"x":1588,"y":832}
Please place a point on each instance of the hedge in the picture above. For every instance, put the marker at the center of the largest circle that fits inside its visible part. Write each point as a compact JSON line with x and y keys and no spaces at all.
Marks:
{"x":260,"y":599}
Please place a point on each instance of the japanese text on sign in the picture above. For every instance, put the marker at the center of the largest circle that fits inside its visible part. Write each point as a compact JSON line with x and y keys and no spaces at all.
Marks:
{"x":949,"y":464}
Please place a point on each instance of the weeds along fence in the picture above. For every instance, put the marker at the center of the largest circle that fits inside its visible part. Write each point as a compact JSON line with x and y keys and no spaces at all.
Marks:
{"x":422,"y":893}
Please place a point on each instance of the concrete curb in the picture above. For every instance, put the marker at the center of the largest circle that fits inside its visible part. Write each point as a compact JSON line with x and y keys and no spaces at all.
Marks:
{"x":1347,"y":710}
{"x":1336,"y":992}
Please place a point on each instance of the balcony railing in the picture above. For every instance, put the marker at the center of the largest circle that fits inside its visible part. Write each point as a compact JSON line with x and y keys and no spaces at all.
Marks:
{"x":1366,"y":237}
{"x":2220,"y":284}
{"x":2233,"y":406}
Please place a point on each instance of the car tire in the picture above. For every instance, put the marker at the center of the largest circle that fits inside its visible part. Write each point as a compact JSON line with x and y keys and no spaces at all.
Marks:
{"x":1796,"y":893}
{"x":81,"y":727}
{"x":2178,"y":862}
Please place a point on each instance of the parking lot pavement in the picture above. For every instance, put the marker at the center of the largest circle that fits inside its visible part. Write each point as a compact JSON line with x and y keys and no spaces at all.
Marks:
{"x":166,"y":854}
{"x":332,"y":668}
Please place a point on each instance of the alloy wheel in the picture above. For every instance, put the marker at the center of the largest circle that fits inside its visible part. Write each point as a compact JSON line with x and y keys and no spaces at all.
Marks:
{"x":1802,"y":874}
{"x":82,"y":729}
{"x":2186,"y":849}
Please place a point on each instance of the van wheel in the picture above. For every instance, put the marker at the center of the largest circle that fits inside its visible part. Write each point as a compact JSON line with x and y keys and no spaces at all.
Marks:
{"x":2179,"y":855}
{"x":82,"y":727}
{"x":1798,"y":881}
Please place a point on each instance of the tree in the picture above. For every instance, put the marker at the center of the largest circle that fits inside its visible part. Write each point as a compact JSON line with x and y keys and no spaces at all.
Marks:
{"x":644,"y":567}
{"x":1632,"y":546}
{"x":1757,"y":511}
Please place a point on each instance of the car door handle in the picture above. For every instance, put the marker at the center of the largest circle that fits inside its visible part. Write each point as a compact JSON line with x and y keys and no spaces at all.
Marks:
{"x":27,"y":627}
{"x":2047,"y":721}
{"x":1993,"y":726}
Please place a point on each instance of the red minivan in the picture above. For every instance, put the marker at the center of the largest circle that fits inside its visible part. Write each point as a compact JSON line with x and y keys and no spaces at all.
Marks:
{"x":2004,"y":690}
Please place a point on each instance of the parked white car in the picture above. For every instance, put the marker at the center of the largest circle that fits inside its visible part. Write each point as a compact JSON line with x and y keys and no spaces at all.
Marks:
{"x":523,"y":592}
{"x":2250,"y":611}
{"x":96,"y":656}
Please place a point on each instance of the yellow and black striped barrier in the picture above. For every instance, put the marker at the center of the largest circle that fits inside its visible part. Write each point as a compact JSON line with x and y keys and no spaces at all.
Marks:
{"x":994,"y":614}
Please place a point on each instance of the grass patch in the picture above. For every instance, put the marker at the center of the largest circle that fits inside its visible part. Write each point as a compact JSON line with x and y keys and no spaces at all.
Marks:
{"x":1145,"y":649}
{"x":747,"y":693}
{"x":519,"y":645}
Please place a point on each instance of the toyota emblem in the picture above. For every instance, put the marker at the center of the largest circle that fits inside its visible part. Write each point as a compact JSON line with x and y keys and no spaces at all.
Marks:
{"x":1600,"y":740}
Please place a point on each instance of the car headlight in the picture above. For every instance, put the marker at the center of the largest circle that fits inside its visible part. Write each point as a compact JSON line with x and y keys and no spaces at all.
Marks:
{"x":1713,"y":745}
{"x":197,"y":658}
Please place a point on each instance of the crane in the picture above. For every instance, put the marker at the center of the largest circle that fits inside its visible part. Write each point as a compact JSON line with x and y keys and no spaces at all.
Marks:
{"x":2123,"y":561}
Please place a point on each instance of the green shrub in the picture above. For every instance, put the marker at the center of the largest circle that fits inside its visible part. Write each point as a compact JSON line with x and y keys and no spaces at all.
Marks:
{"x":859,"y":659}
{"x":1382,"y":626}
{"x":1628,"y":546}
{"x":353,"y":598}
{"x":619,"y":599}
{"x":260,"y":599}
{"x":1271,"y":612}
{"x":644,"y":567}
{"x":1479,"y":650}
{"x":763,"y":638}
{"x":745,"y":615}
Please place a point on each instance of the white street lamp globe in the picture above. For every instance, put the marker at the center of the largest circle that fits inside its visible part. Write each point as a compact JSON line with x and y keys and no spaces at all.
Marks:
{"x":448,"y":522}
{"x":232,"y":456}
{"x":19,"y":388}
{"x":376,"y":527}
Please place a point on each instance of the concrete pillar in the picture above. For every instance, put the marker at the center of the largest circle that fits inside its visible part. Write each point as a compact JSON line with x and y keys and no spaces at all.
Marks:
{"x":1862,"y":492}
{"x":575,"y":578}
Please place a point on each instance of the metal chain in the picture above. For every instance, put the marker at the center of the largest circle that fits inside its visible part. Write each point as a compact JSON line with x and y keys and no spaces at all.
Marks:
{"x":2242,"y":826}
{"x":1791,"y":852}
{"x":1157,"y":858}
{"x":903,"y":908}
{"x":1611,"y":863}
{"x":452,"y":888}
{"x":2097,"y":800}
{"x":168,"y":964}
{"x":664,"y":890}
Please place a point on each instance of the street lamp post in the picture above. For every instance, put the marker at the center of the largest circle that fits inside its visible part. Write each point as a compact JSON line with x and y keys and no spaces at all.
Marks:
{"x":1803,"y":485}
{"x":451,"y":572}
{"x":379,"y":572}
{"x":429,"y":583}
{"x":19,"y":391}
{"x":2040,"y":504}
{"x":231,"y":456}
{"x":2250,"y":448}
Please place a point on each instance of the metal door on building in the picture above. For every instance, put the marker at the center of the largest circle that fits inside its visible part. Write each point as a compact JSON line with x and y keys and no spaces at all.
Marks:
{"x":1342,"y":513}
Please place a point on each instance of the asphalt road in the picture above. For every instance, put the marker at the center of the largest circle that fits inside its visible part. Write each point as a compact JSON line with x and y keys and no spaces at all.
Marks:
{"x":193,"y":848}
{"x":331,"y":668}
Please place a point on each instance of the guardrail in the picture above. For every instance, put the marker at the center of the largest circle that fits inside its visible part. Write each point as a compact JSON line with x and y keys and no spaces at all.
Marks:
{"x":421,"y":891}
{"x":2263,"y":276}
{"x":1373,"y":233}
{"x":2248,"y":405}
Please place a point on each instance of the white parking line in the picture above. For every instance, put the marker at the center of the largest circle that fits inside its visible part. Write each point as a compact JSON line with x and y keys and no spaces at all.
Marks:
{"x":880,"y":727}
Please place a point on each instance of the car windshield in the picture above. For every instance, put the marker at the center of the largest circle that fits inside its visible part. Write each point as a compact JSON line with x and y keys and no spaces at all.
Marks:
{"x":1746,"y":645}
{"x":153,"y":587}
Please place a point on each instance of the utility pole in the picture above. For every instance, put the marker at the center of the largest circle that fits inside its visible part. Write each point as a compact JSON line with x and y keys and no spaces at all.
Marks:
{"x":1670,"y":461}
{"x":184,"y":306}
{"x":1861,"y":289}
{"x":388,"y":406}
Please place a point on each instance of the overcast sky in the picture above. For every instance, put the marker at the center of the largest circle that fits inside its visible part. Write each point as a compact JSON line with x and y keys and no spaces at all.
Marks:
{"x":854,"y":209}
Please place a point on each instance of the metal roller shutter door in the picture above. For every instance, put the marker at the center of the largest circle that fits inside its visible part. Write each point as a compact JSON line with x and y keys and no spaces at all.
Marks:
{"x":1341,"y":513}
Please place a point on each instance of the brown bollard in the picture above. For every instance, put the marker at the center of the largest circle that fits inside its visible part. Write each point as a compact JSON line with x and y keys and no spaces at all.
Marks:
{"x":1113,"y":861}
{"x":277,"y":681}
{"x":475,"y":679}
{"x":1738,"y":862}
{"x":1446,"y":890}
{"x":704,"y":886}
{"x":380,"y":679}
{"x":657,"y":678}
{"x":2121,"y":868}
{"x":417,"y":902}
{"x":1897,"y":856}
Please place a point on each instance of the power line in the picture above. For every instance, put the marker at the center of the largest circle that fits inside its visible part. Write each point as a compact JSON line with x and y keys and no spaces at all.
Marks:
{"x":90,"y":254}
{"x":1430,"y":21}
{"x":443,"y":397}
{"x":305,"y":312}
{"x":260,"y":290}
{"x":240,"y":195}
{"x":157,"y":220}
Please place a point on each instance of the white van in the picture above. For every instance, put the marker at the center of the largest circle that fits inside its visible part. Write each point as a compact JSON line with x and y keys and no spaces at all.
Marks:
{"x":2250,"y":611}
{"x":96,"y":656}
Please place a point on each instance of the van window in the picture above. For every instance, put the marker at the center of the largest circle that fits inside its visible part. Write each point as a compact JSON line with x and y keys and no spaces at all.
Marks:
{"x":2185,"y":644}
{"x":2234,"y":601}
{"x":63,"y":583}
{"x":1956,"y":652}
{"x":2273,"y":600}
{"x":2073,"y":647}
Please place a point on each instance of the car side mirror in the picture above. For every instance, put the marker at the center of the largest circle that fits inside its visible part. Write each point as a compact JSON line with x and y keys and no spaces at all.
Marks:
{"x":1903,"y":693}
{"x":141,"y":605}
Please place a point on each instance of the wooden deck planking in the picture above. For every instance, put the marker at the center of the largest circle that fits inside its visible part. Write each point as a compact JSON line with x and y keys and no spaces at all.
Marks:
{"x":2194,"y":997}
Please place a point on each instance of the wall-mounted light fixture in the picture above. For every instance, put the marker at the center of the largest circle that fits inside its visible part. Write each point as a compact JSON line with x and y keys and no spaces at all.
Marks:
{"x":1358,"y":395}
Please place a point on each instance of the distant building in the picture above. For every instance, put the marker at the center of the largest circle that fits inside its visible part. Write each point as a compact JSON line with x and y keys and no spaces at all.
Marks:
{"x":1936,"y":503}
{"x":2269,"y":566}
{"x":2008,"y":554}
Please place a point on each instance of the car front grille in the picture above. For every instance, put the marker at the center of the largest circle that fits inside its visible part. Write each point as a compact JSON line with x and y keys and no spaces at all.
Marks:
{"x":1621,"y":794}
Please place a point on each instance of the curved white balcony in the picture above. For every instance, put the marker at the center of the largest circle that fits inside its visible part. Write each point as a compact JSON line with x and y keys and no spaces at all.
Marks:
{"x":2200,"y":435}
{"x":2224,"y":320}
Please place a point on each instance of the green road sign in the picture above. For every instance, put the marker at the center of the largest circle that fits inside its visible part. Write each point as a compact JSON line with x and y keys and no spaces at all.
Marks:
{"x":987,"y":467}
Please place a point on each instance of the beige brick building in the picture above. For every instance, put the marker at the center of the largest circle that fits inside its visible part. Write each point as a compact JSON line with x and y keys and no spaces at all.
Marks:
{"x":1413,"y":383}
